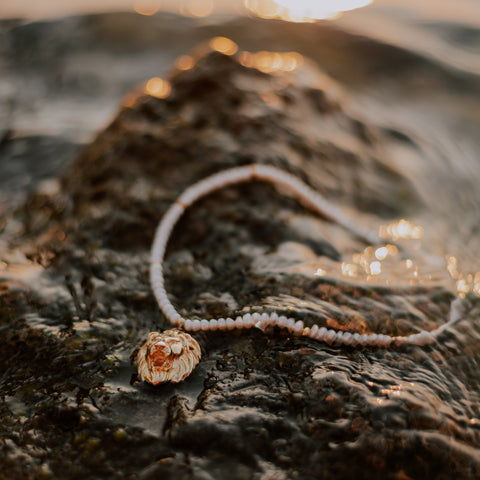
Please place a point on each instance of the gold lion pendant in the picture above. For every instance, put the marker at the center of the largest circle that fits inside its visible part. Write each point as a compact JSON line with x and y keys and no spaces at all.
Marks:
{"x":168,"y":356}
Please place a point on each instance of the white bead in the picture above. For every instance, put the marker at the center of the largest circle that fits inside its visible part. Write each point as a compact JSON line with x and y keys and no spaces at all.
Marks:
{"x":213,"y":324}
{"x":282,"y":321}
{"x":372,"y":339}
{"x":298,"y":328}
{"x":230,"y":323}
{"x":435,"y":333}
{"x":425,"y":338}
{"x":290,"y":324}
{"x":196,"y":325}
{"x":221,"y":324}
{"x":157,"y":280}
{"x":356,"y":339}
{"x":188,"y":325}
{"x":314,"y":331}
{"x":204,"y":325}
{"x":239,"y":322}
{"x":257,"y":320}
{"x":247,"y":321}
{"x":364,"y":339}
{"x":321,"y":333}
{"x":347,"y":338}
{"x":330,"y":336}
{"x":273,"y":318}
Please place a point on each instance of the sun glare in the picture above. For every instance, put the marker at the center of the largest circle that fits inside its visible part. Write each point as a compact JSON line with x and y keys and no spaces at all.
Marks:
{"x":147,"y":7}
{"x":302,"y":10}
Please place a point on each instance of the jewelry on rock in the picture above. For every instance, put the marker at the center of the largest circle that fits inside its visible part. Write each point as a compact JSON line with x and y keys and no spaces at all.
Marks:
{"x":173,"y":354}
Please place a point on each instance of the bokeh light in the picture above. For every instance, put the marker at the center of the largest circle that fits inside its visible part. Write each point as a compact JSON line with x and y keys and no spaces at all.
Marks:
{"x":147,"y":7}
{"x":403,"y":229}
{"x":223,"y":45}
{"x":157,"y":87}
{"x":269,"y":62}
{"x":198,"y":8}
{"x":184,"y":62}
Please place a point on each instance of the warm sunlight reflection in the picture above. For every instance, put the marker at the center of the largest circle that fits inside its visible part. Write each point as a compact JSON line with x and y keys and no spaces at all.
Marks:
{"x":269,"y":62}
{"x":393,"y":390}
{"x":198,"y":8}
{"x":465,"y":282}
{"x":184,"y":62}
{"x":157,"y":87}
{"x":223,"y":45}
{"x":452,"y":266}
{"x":147,"y":7}
{"x":403,"y":229}
{"x":302,"y":10}
{"x":349,"y":269}
{"x":375,"y":268}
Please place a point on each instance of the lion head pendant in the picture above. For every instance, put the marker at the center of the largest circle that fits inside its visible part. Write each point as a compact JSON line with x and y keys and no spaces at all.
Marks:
{"x":169,"y":356}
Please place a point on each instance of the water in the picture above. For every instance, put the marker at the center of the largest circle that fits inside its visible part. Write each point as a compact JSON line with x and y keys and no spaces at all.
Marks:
{"x":405,"y":121}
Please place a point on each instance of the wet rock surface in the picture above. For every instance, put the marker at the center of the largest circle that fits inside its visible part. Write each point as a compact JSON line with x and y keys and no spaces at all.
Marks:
{"x":75,"y":300}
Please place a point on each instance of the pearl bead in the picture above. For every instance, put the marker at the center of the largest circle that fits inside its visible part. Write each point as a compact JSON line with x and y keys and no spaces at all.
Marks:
{"x":282,"y":321}
{"x":221,"y":324}
{"x":298,"y":328}
{"x":321,"y":333}
{"x":204,"y":325}
{"x":196,"y":325}
{"x":213,"y":324}
{"x":356,"y":339}
{"x":239,"y":322}
{"x":230,"y":323}
{"x":330,"y":336}
{"x":247,"y":321}
{"x":290,"y":324}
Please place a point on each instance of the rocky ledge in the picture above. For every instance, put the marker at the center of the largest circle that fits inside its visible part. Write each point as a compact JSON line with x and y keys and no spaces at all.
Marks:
{"x":76,"y":302}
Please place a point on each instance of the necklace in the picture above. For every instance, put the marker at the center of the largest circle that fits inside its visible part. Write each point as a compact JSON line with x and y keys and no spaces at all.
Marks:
{"x":173,"y":354}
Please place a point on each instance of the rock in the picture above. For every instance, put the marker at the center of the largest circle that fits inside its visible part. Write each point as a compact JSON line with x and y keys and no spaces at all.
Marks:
{"x":258,"y":405}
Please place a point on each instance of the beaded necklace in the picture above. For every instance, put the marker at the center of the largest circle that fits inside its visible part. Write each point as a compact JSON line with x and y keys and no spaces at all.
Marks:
{"x":173,"y":354}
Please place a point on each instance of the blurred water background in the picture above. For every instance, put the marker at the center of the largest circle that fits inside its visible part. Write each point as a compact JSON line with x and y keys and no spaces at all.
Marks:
{"x":68,"y":65}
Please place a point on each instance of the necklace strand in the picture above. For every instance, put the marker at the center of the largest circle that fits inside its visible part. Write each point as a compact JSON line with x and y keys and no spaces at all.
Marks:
{"x":262,"y":319}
